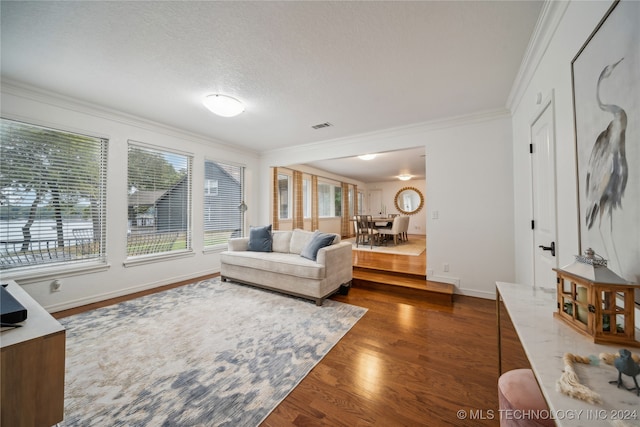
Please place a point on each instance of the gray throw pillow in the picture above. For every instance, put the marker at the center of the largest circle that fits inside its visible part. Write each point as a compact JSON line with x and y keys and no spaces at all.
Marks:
{"x":260,"y":239}
{"x":317,"y":242}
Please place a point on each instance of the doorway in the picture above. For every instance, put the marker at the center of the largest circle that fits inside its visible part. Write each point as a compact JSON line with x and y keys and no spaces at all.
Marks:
{"x":543,"y":181}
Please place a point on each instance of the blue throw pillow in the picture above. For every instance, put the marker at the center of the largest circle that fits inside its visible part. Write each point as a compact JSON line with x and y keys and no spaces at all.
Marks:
{"x":318,"y":240}
{"x":260,"y":239}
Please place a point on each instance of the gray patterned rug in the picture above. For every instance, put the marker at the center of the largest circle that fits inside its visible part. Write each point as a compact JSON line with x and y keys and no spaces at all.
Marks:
{"x":205,"y":354}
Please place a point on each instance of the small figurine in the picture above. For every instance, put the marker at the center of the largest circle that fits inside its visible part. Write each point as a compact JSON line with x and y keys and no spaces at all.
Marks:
{"x":626,"y":365}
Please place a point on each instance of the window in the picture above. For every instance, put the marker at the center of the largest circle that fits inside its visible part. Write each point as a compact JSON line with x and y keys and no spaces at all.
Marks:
{"x":159,"y":203}
{"x":329,"y":200}
{"x":306,"y":197}
{"x":210,"y":186}
{"x":223,"y":217}
{"x":284,"y":195}
{"x":351,"y":212}
{"x":337,"y":201}
{"x":52,"y":196}
{"x":360,"y":202}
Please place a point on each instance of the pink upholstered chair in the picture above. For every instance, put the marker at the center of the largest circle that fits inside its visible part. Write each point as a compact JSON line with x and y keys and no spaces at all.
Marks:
{"x":520,"y":400}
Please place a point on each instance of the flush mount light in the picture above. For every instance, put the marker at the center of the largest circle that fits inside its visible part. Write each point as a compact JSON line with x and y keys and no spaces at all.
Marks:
{"x":367,"y":156}
{"x":404,"y":177}
{"x":223,"y":105}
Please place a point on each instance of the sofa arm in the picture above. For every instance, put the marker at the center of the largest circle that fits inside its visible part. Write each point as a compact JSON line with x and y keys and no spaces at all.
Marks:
{"x":238,"y":244}
{"x":337,"y":261}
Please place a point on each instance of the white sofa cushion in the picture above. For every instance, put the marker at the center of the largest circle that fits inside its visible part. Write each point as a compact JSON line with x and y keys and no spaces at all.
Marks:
{"x":275,"y":262}
{"x":281,"y":241}
{"x":299,"y":239}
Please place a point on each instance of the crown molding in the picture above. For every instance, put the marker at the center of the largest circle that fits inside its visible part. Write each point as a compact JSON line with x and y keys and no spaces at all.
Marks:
{"x":550,"y":17}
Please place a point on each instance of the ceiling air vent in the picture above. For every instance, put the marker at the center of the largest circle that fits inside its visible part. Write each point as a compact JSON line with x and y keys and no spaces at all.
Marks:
{"x":322,"y":125}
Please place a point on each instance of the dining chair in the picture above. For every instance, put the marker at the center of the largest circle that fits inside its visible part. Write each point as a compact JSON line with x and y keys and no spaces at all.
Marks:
{"x":365,"y":233}
{"x":354,"y":219}
{"x":395,"y":230}
{"x":404,"y":228}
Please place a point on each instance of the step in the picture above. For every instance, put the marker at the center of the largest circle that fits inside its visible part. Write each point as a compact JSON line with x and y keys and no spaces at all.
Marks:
{"x":436,"y":291}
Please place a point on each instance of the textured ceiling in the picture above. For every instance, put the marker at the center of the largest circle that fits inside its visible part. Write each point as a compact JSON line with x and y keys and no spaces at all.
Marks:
{"x":363,"y":66}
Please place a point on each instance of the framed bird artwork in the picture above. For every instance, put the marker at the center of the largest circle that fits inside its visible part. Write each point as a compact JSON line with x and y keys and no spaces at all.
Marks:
{"x":606,"y":100}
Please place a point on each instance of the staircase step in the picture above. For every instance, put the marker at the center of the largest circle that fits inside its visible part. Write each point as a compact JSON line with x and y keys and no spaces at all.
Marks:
{"x":436,"y":291}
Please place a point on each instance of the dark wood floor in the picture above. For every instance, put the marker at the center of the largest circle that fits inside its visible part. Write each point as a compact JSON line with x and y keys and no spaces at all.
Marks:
{"x":407,"y":362}
{"x":392,"y":262}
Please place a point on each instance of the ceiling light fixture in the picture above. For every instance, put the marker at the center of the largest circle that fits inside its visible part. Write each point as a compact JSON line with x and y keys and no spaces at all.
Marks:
{"x":367,"y":156}
{"x":404,"y":177}
{"x":223,"y":105}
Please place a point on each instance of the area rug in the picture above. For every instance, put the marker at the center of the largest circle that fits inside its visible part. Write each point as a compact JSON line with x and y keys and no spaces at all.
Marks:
{"x":207,"y":354}
{"x":414,"y":248}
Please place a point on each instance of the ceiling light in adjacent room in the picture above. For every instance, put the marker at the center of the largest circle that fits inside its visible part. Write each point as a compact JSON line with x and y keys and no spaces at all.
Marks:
{"x":223,"y":105}
{"x":367,"y":156}
{"x":404,"y":177}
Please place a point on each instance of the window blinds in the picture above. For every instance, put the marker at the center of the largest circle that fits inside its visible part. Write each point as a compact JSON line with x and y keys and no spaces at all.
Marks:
{"x":52,"y":196}
{"x":223,"y":217}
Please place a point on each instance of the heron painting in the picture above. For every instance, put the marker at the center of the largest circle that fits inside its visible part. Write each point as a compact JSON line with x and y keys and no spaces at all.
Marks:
{"x":607,"y":171}
{"x":606,"y":92}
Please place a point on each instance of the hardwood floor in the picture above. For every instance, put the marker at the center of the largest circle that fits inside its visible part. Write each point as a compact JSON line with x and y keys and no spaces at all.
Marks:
{"x":407,"y":362}
{"x":392,"y":262}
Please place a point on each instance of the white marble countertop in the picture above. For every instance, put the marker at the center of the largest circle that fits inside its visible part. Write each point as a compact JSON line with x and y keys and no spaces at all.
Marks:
{"x":546,"y":339}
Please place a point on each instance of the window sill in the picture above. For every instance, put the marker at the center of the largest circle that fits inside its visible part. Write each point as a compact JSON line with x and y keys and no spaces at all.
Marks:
{"x":215,"y":249}
{"x":33,"y":275}
{"x":150,"y":259}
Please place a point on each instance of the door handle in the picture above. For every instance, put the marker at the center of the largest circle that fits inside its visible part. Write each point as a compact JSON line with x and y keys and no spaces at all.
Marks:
{"x":551,"y":248}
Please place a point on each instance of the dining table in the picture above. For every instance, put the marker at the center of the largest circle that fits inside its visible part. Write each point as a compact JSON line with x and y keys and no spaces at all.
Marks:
{"x":381,"y":222}
{"x":377,"y":222}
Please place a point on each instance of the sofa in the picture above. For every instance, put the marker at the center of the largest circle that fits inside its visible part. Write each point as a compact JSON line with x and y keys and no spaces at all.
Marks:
{"x":292,"y":262}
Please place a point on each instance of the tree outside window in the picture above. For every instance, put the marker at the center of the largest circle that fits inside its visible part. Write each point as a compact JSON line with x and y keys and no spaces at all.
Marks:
{"x":159,"y":201}
{"x":52,"y":196}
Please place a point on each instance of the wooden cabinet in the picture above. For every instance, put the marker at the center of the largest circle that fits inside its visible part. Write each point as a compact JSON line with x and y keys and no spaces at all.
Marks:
{"x":32,"y":366}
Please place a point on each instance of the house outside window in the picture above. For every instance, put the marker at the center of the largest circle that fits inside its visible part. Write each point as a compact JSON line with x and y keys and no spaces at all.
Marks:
{"x":223,"y":218}
{"x":159,"y":200}
{"x":52,"y":197}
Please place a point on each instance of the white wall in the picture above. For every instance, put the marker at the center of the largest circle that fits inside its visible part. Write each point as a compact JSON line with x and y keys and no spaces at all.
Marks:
{"x":552,"y":75}
{"x":45,"y":109}
{"x":469,"y":183}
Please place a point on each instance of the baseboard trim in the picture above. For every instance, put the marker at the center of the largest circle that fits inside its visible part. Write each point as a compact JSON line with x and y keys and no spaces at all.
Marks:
{"x":443,"y":279}
{"x":183,"y":279}
{"x":476,"y":293}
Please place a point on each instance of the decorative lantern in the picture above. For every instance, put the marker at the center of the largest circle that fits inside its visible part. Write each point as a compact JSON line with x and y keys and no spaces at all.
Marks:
{"x":597,"y":302}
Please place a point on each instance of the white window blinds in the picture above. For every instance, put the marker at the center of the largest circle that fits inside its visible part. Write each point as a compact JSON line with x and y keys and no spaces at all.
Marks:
{"x":52,"y":196}
{"x":159,"y":200}
{"x":223,"y":216}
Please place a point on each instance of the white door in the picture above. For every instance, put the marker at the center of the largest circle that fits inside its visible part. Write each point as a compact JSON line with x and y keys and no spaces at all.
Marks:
{"x":543,"y":161}
{"x":375,"y":202}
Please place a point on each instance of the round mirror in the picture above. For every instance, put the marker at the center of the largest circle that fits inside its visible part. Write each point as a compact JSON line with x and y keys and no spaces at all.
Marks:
{"x":409,"y":200}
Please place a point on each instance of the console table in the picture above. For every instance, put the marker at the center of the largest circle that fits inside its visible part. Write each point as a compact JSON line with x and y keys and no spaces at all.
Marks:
{"x":545,"y":340}
{"x":32,"y":367}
